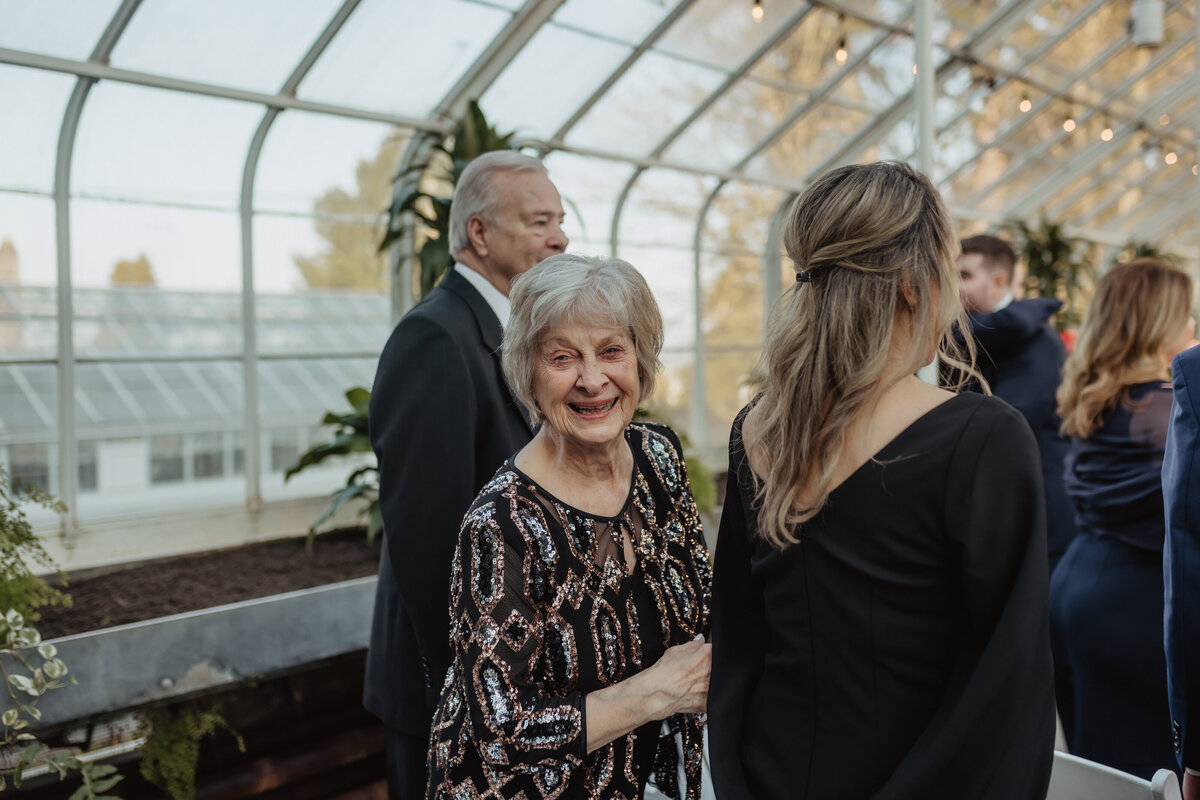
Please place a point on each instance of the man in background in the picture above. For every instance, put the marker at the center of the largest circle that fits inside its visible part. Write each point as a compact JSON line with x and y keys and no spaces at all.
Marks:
{"x":1020,"y":354}
{"x":442,"y":420}
{"x":1181,"y":562}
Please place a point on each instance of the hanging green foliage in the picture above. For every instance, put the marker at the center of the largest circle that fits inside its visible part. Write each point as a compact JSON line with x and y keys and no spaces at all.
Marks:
{"x":1056,"y":265}
{"x":21,"y":552}
{"x":473,"y":137}
{"x":172,"y":747}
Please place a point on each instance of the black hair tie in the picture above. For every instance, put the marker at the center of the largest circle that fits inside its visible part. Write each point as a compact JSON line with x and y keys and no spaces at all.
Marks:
{"x":803,"y":276}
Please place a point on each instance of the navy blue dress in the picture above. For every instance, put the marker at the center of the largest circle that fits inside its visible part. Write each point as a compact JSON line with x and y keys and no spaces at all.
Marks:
{"x":1106,"y":595}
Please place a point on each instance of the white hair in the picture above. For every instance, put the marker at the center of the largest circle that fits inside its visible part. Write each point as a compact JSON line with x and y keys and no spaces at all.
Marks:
{"x":475,"y":194}
{"x":589,"y":290}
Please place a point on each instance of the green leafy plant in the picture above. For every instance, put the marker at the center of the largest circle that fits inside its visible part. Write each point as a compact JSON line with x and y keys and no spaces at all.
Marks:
{"x":1134,"y":249}
{"x":21,"y":551}
{"x":350,"y":437}
{"x":472,"y":137}
{"x":1057,"y":265}
{"x":30,"y":668}
{"x":172,"y":747}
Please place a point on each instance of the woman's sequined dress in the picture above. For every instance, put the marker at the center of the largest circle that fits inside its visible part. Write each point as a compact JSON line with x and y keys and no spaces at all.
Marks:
{"x":543,"y":611}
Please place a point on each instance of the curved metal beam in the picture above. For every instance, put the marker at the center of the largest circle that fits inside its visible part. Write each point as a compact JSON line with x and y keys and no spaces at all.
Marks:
{"x":699,"y":404}
{"x":68,"y":454}
{"x":252,"y":430}
{"x":651,"y":38}
{"x":102,"y":71}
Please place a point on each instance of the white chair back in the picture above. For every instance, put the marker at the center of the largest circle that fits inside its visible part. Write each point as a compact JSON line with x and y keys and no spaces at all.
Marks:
{"x":1075,"y":778}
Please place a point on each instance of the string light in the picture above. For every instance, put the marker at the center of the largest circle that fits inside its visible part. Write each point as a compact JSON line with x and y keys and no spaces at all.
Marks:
{"x":1106,"y":135}
{"x":757,"y":13}
{"x":1196,"y":169}
{"x":914,"y":69}
{"x":841,"y":55}
{"x":1164,"y":119}
{"x":1026,"y":104}
{"x":1170,"y":158}
{"x":1069,"y":124}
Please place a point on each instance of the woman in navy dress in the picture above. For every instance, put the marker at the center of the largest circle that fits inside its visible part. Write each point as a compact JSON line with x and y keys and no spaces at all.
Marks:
{"x":880,"y":624}
{"x":1106,"y":595}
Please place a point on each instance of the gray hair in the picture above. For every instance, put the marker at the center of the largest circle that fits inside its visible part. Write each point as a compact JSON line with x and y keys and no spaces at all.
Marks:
{"x":587,"y":290}
{"x":475,"y":194}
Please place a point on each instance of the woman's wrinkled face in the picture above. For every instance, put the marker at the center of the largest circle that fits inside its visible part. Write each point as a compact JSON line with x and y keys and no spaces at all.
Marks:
{"x":586,"y":383}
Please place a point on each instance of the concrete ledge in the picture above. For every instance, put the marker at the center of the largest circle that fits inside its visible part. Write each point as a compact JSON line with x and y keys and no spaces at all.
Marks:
{"x":144,"y":662}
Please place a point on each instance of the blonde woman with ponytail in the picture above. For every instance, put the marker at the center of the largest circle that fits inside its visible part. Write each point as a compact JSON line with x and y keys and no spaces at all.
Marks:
{"x":1106,"y":594}
{"x":879,"y":605}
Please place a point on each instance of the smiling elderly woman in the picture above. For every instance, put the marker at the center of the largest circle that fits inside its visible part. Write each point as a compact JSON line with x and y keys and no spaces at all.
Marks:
{"x":580,"y":586}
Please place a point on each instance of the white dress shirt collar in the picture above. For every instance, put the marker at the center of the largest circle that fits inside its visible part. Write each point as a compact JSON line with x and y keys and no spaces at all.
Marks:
{"x":496,"y":299}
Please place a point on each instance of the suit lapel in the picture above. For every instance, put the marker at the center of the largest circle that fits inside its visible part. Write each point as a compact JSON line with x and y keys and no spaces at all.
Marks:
{"x":490,"y":331}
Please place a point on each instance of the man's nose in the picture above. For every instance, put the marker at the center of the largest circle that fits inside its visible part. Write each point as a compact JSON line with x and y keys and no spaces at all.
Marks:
{"x":557,"y":241}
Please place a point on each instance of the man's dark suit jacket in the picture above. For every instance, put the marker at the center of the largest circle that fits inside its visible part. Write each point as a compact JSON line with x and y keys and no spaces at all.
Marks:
{"x":1021,"y":356}
{"x":1181,"y":552}
{"x":442,"y":420}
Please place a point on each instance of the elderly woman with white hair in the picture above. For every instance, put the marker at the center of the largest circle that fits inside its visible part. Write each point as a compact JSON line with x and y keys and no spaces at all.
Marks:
{"x":580,"y":586}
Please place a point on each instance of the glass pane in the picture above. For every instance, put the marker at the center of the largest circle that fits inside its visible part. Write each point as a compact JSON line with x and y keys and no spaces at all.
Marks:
{"x":158,"y":436}
{"x":29,"y":463}
{"x":131,"y":245}
{"x":65,"y":28}
{"x":31,"y":110}
{"x":194,"y":40}
{"x":626,"y":20}
{"x":323,"y":322}
{"x":534,"y":101}
{"x":670,"y":273}
{"x":294,"y":395}
{"x":807,"y":57}
{"x":724,"y":34}
{"x":734,"y":125}
{"x":161,"y":146}
{"x":28,"y":399}
{"x":813,"y":138}
{"x":589,"y":188}
{"x":402,"y":56}
{"x":642,"y":108}
{"x":352,"y":178}
{"x":28,"y":276}
{"x":729,"y":385}
{"x":663,"y":208}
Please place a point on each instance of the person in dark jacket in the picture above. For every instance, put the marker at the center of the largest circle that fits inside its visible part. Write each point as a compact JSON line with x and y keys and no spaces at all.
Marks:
{"x":1020,"y":355}
{"x":442,"y":420}
{"x":1106,"y":596}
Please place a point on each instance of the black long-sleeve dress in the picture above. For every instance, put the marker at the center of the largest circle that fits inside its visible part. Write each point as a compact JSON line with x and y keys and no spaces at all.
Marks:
{"x":900,"y":649}
{"x":1106,"y":596}
{"x":543,"y":611}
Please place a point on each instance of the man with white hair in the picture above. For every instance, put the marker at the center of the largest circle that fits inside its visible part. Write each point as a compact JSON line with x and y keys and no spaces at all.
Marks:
{"x":442,"y":420}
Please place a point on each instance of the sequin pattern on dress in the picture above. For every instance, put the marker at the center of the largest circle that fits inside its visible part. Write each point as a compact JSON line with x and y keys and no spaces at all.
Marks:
{"x":542,"y":612}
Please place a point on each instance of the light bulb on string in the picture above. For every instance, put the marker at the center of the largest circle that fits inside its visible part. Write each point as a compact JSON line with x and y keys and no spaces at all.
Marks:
{"x":841,"y":54}
{"x":1170,"y":158}
{"x":1164,"y":119}
{"x":757,"y":13}
{"x":1196,"y":169}
{"x":1106,"y":135}
{"x":1026,"y":104}
{"x":1069,"y":124}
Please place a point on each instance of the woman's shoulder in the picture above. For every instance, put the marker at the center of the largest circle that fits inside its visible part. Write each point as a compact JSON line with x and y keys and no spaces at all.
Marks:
{"x":650,"y":433}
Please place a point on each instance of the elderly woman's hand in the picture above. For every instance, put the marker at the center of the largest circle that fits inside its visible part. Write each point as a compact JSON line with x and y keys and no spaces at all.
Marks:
{"x":678,"y":683}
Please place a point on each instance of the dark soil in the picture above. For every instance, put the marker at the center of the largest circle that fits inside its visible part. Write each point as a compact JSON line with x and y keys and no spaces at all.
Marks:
{"x":158,"y":588}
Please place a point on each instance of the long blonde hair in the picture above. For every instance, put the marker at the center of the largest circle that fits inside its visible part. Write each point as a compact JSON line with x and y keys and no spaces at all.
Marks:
{"x":1137,"y":312}
{"x":875,"y":241}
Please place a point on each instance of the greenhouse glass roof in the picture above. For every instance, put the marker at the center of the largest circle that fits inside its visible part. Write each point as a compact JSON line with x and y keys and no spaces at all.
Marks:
{"x":192,"y":191}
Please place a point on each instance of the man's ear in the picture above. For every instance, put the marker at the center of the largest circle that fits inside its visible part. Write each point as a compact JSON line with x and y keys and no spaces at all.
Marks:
{"x":477,"y":235}
{"x":1002,"y":280}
